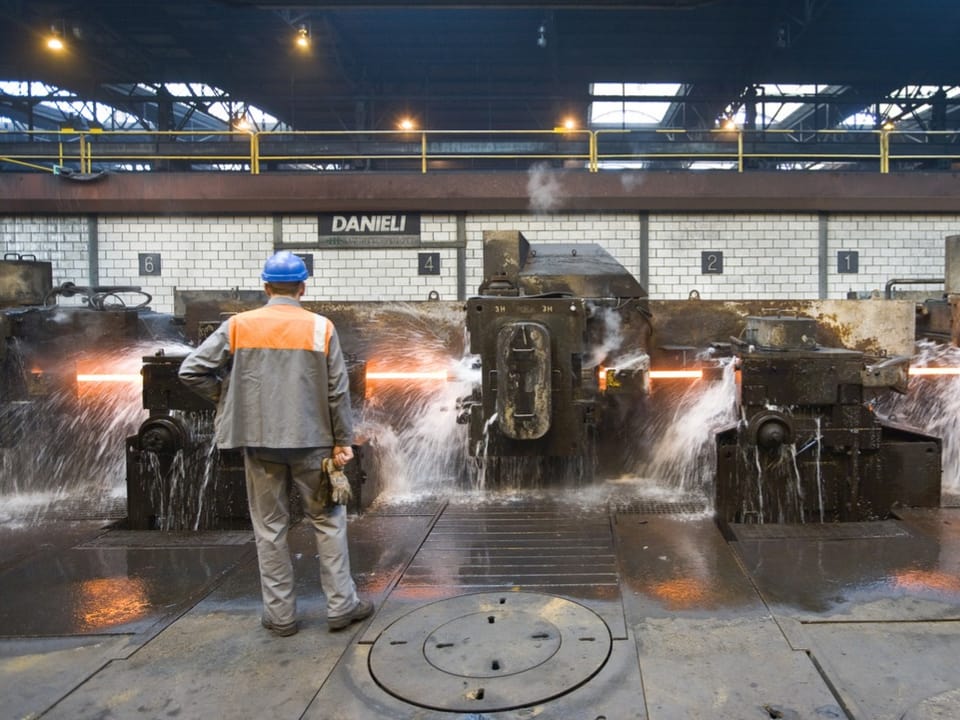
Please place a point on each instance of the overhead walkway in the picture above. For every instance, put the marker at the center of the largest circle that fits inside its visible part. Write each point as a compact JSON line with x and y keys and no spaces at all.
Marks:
{"x":87,"y":151}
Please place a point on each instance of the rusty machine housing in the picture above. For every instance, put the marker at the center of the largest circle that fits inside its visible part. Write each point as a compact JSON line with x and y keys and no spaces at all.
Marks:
{"x":546,"y":324}
{"x":175,"y":479}
{"x":938,"y":319}
{"x":42,"y":343}
{"x":808,"y":447}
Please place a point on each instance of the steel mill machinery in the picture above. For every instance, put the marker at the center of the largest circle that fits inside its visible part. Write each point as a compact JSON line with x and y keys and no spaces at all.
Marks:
{"x":176,"y":478}
{"x":938,"y":319}
{"x":808,"y":447}
{"x":548,"y":323}
{"x":47,"y":345}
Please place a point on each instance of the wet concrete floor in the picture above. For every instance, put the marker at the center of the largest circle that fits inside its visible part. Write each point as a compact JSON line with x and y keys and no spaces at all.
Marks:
{"x":500,"y":609}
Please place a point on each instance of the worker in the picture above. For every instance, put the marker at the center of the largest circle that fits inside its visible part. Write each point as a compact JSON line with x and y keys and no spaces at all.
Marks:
{"x":279,"y":381}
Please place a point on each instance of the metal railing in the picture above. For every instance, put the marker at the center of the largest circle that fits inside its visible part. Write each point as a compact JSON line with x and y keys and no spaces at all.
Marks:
{"x":87,"y":151}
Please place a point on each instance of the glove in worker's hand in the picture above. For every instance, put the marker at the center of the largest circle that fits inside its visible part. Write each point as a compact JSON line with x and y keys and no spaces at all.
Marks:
{"x":340,"y":492}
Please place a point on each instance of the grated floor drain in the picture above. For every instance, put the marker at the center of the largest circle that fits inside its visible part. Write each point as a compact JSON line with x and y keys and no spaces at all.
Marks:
{"x":656,"y":507}
{"x":490,"y":651}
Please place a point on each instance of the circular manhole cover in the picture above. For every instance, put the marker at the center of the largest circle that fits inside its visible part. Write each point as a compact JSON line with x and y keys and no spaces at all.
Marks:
{"x":490,"y":651}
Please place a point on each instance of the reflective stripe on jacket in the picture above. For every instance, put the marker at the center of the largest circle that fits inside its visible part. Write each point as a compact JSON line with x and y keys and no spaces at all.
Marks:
{"x":278,"y":377}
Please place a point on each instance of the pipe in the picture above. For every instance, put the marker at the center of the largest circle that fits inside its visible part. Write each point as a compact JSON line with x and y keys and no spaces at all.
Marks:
{"x":888,"y":288}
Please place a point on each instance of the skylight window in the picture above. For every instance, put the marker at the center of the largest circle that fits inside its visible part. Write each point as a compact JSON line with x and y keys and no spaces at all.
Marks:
{"x":917,"y":102}
{"x":196,"y":105}
{"x":780,"y":106}
{"x":631,"y":104}
{"x":59,"y":105}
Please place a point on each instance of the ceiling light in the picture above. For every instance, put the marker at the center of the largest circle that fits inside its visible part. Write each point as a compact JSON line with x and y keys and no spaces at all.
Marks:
{"x":55,"y":39}
{"x":888,"y":125}
{"x":302,"y":39}
{"x":728,"y":123}
{"x":406,"y":124}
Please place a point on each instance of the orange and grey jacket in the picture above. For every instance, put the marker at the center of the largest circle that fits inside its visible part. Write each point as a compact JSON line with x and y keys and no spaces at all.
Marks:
{"x":278,"y":377}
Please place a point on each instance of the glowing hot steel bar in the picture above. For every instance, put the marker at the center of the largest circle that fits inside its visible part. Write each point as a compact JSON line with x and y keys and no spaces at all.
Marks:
{"x":413,"y":375}
{"x":676,"y":374}
{"x":111,"y":378}
{"x":934,"y":371}
{"x":665,"y":374}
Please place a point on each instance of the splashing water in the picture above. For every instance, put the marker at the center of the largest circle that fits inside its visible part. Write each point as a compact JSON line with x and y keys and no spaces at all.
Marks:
{"x":778,"y":492}
{"x":682,"y":453}
{"x":932,"y":404}
{"x":412,"y":429}
{"x":182,"y":488}
{"x":65,"y":454}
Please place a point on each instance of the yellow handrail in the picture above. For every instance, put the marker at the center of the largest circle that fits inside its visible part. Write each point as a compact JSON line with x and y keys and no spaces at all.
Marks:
{"x":434,"y":150}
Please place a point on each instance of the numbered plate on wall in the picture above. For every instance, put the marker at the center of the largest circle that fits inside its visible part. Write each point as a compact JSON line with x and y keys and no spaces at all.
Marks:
{"x":428,"y":263}
{"x":848,"y":261}
{"x":711,"y":262}
{"x":149,"y":263}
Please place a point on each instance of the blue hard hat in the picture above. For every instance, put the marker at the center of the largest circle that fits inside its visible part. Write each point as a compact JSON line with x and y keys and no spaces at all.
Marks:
{"x":284,"y":267}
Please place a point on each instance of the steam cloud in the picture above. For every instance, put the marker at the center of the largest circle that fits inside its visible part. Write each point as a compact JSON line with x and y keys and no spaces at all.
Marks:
{"x":544,"y":189}
{"x":612,"y":336}
{"x":632,"y":181}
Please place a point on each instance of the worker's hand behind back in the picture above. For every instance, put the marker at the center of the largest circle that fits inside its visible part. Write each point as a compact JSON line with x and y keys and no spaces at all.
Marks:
{"x":342,"y":454}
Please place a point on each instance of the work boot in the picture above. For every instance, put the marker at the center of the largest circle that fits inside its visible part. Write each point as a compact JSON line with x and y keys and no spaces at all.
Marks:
{"x":280,"y":630}
{"x":361,"y":611}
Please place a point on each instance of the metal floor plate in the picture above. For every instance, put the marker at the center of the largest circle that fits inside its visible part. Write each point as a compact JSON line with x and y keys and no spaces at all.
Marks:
{"x":821,"y":531}
{"x":490,"y":652}
{"x":171,"y":539}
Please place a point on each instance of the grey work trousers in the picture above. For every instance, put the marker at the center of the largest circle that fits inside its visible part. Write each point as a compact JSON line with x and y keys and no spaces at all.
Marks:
{"x":267,"y":473}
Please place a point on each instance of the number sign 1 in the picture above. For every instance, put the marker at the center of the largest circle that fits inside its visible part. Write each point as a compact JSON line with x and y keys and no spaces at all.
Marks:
{"x":848,"y":261}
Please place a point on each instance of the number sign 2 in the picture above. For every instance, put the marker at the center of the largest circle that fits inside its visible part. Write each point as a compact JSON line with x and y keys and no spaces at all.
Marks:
{"x":711,"y":262}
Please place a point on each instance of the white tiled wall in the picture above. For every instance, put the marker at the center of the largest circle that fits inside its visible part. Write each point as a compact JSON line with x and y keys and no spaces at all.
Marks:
{"x":765,"y":255}
{"x":196,"y":253}
{"x":385,"y":274}
{"x":889,"y":247}
{"x":60,"y":240}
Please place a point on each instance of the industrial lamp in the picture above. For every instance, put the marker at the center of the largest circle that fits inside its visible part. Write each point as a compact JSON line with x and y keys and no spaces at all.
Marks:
{"x":55,"y":40}
{"x":302,"y":39}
